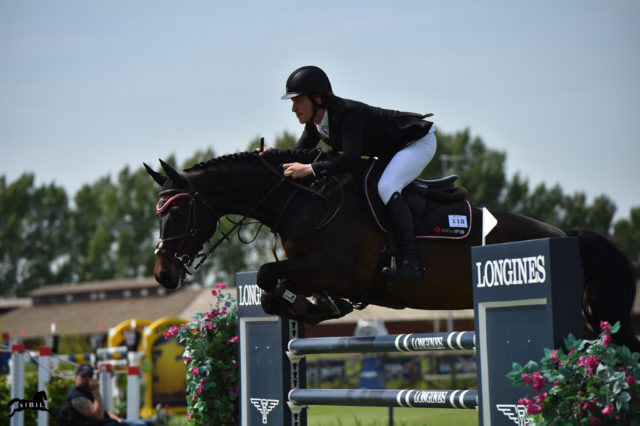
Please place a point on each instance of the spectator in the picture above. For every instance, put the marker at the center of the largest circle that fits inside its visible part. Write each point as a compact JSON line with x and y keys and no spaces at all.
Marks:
{"x":86,"y":407}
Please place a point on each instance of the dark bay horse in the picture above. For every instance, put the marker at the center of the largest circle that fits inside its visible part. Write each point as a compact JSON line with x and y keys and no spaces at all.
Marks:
{"x":335,"y":248}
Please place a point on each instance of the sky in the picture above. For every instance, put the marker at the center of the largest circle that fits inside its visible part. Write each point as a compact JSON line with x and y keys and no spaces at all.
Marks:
{"x":88,"y":87}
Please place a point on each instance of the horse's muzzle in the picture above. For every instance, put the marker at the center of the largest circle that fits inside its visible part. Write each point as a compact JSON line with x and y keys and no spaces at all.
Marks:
{"x":167,"y":274}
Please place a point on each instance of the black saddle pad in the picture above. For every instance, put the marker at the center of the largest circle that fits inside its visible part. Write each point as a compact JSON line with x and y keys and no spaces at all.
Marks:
{"x":444,"y":212}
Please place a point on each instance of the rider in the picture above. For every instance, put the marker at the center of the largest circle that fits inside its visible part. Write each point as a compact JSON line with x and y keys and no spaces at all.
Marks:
{"x":403,"y":140}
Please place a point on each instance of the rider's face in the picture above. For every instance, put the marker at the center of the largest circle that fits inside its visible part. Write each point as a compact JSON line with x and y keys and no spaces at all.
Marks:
{"x":303,"y":108}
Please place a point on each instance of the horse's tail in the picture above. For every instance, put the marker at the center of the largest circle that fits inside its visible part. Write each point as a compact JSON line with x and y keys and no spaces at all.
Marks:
{"x":609,"y":286}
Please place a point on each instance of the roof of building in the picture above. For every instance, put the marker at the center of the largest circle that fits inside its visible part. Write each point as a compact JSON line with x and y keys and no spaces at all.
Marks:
{"x":120,"y":284}
{"x":88,"y":317}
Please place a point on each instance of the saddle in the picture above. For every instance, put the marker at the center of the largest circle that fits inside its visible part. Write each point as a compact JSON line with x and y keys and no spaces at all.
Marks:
{"x":440,"y":208}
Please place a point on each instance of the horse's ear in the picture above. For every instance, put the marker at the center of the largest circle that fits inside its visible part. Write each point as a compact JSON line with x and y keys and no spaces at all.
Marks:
{"x":174,"y":175}
{"x":160,"y":179}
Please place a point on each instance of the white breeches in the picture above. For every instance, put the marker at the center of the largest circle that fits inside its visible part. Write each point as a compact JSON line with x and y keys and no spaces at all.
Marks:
{"x":406,"y":165}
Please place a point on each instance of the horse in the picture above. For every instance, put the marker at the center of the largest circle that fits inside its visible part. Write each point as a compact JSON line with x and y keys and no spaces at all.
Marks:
{"x":336,"y":248}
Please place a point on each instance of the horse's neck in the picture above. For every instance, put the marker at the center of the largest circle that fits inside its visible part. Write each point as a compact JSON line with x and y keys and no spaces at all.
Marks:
{"x":241,"y":189}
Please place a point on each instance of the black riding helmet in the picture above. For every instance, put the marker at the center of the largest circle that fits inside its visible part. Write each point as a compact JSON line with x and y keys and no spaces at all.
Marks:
{"x":307,"y":80}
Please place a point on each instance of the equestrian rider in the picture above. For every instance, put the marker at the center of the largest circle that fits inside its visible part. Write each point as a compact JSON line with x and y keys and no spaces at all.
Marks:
{"x":402,"y":139}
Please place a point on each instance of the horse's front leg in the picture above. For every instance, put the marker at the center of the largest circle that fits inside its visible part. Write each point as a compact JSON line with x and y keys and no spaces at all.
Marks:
{"x":280,"y":282}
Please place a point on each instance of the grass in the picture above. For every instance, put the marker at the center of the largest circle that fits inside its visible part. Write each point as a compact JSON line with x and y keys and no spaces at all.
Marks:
{"x":375,"y":416}
{"x":321,"y":415}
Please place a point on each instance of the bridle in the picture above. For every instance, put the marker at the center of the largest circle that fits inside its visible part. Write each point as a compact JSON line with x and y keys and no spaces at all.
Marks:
{"x":185,"y":261}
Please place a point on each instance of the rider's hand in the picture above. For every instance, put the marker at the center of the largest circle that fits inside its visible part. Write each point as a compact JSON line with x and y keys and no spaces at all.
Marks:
{"x":263,"y":150}
{"x":297,"y":170}
{"x":94,"y":384}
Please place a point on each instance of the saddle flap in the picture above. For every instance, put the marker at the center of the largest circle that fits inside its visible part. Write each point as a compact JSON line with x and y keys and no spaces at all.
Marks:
{"x":440,"y":208}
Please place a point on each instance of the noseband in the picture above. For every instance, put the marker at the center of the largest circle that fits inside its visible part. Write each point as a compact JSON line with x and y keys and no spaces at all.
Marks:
{"x":191,"y":229}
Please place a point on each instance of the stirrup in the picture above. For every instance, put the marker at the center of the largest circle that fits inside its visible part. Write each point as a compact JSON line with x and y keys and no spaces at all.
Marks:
{"x":407,"y":272}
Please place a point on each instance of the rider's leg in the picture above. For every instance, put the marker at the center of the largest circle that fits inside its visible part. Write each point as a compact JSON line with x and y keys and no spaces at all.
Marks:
{"x":405,"y":166}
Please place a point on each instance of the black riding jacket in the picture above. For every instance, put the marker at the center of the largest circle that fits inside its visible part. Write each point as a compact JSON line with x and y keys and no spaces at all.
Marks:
{"x":358,"y":129}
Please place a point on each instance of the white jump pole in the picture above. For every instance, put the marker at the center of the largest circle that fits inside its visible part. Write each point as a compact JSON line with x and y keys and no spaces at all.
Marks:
{"x":44,"y":376}
{"x":17,"y":381}
{"x":133,"y":393}
{"x":106,"y":389}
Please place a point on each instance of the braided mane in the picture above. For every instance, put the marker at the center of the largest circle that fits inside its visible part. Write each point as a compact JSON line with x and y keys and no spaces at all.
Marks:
{"x":274,"y":154}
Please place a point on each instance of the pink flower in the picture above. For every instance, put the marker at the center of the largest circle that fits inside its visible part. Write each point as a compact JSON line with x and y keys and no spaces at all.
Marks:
{"x":608,"y":409}
{"x":221,"y":285}
{"x":538,"y":381}
{"x":208,"y":326}
{"x":187,"y":359}
{"x":607,"y":339}
{"x":590,"y":363}
{"x":531,"y":407}
{"x":541,"y":397}
{"x":173,"y":331}
{"x":631,"y":380}
{"x":215,"y":292}
{"x":534,"y":409}
{"x":589,"y":406}
{"x":201,"y":388}
{"x":604,"y":326}
{"x":234,"y":339}
{"x":190,"y":415}
{"x":554,"y":356}
{"x":196,"y":371}
{"x":526,"y":378}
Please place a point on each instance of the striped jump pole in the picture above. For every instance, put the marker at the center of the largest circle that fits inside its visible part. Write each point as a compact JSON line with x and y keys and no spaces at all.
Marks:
{"x":385,"y":398}
{"x":412,"y":342}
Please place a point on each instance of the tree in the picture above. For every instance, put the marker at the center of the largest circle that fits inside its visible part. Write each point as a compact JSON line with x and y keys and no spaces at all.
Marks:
{"x":481,"y":170}
{"x":111,"y":230}
{"x":34,"y":232}
{"x":626,"y":232}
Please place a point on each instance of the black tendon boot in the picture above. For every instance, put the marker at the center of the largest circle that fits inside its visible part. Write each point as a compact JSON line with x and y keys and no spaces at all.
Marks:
{"x":409,"y":270}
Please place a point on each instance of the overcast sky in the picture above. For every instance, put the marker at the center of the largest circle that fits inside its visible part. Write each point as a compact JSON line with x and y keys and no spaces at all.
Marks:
{"x":89,"y":87}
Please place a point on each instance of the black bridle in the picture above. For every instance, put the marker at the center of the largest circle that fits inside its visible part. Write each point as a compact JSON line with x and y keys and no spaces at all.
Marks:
{"x":185,"y":261}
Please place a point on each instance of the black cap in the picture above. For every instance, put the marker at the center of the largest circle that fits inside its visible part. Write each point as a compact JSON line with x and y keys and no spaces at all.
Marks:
{"x":84,"y":369}
{"x":306,"y":81}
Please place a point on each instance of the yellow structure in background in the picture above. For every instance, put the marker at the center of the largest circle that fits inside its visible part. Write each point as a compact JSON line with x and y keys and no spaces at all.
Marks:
{"x":166,"y":383}
{"x":164,"y":373}
{"x":118,"y":334}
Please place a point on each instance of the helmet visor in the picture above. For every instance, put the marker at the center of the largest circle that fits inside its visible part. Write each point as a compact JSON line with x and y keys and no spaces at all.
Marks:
{"x":290,"y":95}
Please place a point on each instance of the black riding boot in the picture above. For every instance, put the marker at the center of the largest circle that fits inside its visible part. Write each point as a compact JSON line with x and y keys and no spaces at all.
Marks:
{"x":409,"y":270}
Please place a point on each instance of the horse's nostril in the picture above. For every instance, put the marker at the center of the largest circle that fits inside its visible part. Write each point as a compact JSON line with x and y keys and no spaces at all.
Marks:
{"x":164,"y":279}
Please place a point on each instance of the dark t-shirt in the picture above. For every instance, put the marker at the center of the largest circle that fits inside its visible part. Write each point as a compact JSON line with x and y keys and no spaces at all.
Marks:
{"x":75,"y":417}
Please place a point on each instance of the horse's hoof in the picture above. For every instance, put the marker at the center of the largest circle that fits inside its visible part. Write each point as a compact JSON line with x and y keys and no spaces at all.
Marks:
{"x":270,"y":304}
